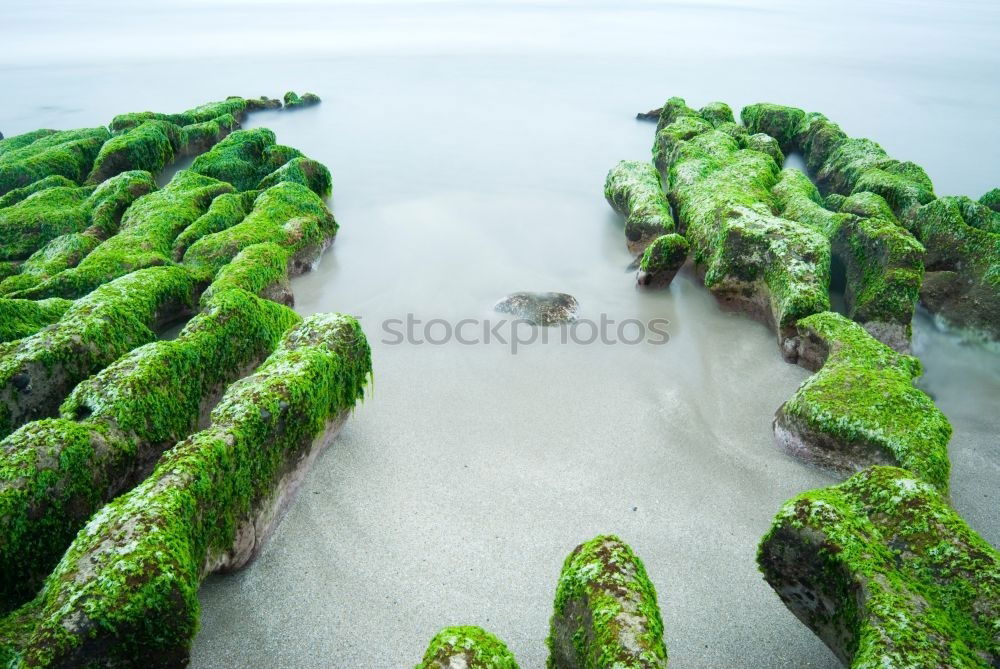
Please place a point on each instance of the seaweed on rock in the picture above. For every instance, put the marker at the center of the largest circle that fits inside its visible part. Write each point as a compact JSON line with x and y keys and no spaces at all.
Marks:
{"x":235,"y":107}
{"x":115,"y":425}
{"x":469,"y":647}
{"x":125,"y":592}
{"x":632,"y":188}
{"x":886,"y":573}
{"x":37,"y":373}
{"x":27,"y":158}
{"x":293,"y":100}
{"x":606,"y":613}
{"x":246,"y":157}
{"x":860,"y":408}
{"x":23,"y":318}
{"x":661,"y":260}
{"x":775,"y":268}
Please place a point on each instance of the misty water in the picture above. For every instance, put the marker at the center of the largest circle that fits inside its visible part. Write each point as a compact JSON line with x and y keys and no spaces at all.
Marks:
{"x":468,"y":144}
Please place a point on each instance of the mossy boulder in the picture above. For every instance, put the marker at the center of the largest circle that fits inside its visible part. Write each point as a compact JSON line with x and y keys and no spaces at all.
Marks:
{"x":225,"y":211}
{"x":38,"y":372}
{"x":467,"y":647}
{"x":115,"y":425}
{"x":860,"y":408}
{"x":606,"y":613}
{"x":540,"y":308}
{"x":235,"y":107}
{"x":632,"y":188}
{"x":293,"y":100}
{"x":125,"y":592}
{"x":23,"y":318}
{"x":244,"y":158}
{"x":69,"y":153}
{"x":774,"y":268}
{"x":57,"y":255}
{"x":306,"y":171}
{"x":150,"y":147}
{"x":991,"y":199}
{"x":261,"y":269}
{"x":886,"y":573}
{"x":18,"y":194}
{"x":25,"y":227}
{"x":662,"y":259}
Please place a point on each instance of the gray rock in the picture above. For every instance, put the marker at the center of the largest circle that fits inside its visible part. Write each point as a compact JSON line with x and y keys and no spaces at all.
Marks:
{"x":540,"y":308}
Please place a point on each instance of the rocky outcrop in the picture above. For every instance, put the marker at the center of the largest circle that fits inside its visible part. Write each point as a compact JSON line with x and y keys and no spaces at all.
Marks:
{"x":661,"y":260}
{"x":771,"y":267}
{"x":125,"y":592}
{"x":27,"y":158}
{"x":540,"y":308}
{"x":467,"y":647}
{"x":293,"y":100}
{"x":632,"y":188}
{"x":606,"y":613}
{"x":885,"y":572}
{"x":861,"y":407}
{"x":23,"y":318}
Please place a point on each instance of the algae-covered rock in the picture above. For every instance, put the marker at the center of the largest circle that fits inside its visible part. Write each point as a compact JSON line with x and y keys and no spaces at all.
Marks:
{"x":28,"y":225}
{"x":210,"y":504}
{"x":37,"y":372}
{"x":244,"y":158}
{"x":145,"y":239}
{"x":293,"y":100}
{"x":467,"y":647}
{"x":55,"y":473}
{"x":310,"y":173}
{"x":774,"y":268}
{"x":540,"y":308}
{"x":18,"y":194}
{"x":606,"y":613}
{"x":991,"y":199}
{"x":150,"y":147}
{"x":69,"y":153}
{"x":23,"y":318}
{"x":633,"y":189}
{"x":236,"y":107}
{"x":884,"y":262}
{"x":861,"y":407}
{"x":57,"y":255}
{"x":963,"y":268}
{"x":288,"y":214}
{"x":887,"y":574}
{"x":261,"y":269}
{"x":661,"y":260}
{"x":225,"y":211}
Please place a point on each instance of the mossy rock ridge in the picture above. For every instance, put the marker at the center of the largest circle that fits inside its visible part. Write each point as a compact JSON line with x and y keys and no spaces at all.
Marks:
{"x":661,"y":260}
{"x":605,"y":612}
{"x":887,"y":574}
{"x":860,"y":408}
{"x":632,"y":188}
{"x":125,"y":592}
{"x":467,"y":647}
{"x":25,"y":159}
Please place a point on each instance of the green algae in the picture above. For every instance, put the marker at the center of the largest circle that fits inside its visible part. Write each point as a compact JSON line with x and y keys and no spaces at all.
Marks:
{"x":632,"y":188}
{"x":260,"y":269}
{"x":310,"y":173}
{"x":861,"y":407}
{"x":18,"y":194}
{"x":886,"y":573}
{"x":293,"y":100}
{"x":661,"y":259}
{"x":67,"y":153}
{"x":776,"y":268}
{"x":150,"y":147}
{"x":244,"y":158}
{"x":605,"y":612}
{"x":467,"y":646}
{"x":236,"y":107}
{"x":57,"y":255}
{"x":225,"y":211}
{"x":991,"y":199}
{"x":125,"y":592}
{"x":23,"y":318}
{"x":36,"y":373}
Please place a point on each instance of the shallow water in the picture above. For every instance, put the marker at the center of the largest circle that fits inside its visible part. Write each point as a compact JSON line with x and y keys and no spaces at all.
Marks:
{"x":469,"y":144}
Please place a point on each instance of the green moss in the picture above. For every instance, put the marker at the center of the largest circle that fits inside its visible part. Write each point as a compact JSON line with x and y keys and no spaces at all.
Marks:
{"x":976,"y":214}
{"x":767,"y":145}
{"x":310,"y":173}
{"x":776,"y":268}
{"x":632,"y":188}
{"x":717,"y":113}
{"x":28,"y":225}
{"x":605,"y":612}
{"x":68,"y":153}
{"x":467,"y":646}
{"x":146,"y":237}
{"x":244,"y":158}
{"x":18,"y":194}
{"x":288,"y":214}
{"x":256,"y":269}
{"x":292,"y":100}
{"x":61,"y":253}
{"x":780,"y":122}
{"x":233,"y":106}
{"x":38,"y":372}
{"x":150,"y":147}
{"x":145,"y":552}
{"x":861,"y":406}
{"x":23,"y":318}
{"x":200,"y":137}
{"x":663,"y":258}
{"x":225,"y":211}
{"x":991,"y":199}
{"x":886,"y":573}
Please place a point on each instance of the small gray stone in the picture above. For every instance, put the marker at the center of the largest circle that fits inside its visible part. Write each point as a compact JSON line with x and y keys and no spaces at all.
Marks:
{"x":540,"y":308}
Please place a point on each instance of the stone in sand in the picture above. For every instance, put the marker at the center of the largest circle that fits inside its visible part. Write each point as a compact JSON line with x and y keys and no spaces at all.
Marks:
{"x":540,"y":308}
{"x":467,"y":647}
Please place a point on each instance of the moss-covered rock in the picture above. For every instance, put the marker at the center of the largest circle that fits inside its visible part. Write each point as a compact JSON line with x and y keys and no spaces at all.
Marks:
{"x":661,"y":260}
{"x":885,"y":572}
{"x":18,"y":194}
{"x":963,"y":268}
{"x":225,"y":211}
{"x":244,"y":158}
{"x":150,"y":147}
{"x":293,"y":100}
{"x":467,"y":647}
{"x":606,"y":613}
{"x":145,"y":239}
{"x":68,"y":153}
{"x":884,"y":262}
{"x":37,"y":373}
{"x":861,"y":407}
{"x":236,"y":107}
{"x":287,"y":214}
{"x":774,"y":268}
{"x":261,"y":269}
{"x":633,"y":189}
{"x":55,"y":473}
{"x":23,"y":318}
{"x":57,"y":255}
{"x":125,"y":592}
{"x":991,"y":199}
{"x":28,"y":225}
{"x":310,"y":173}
